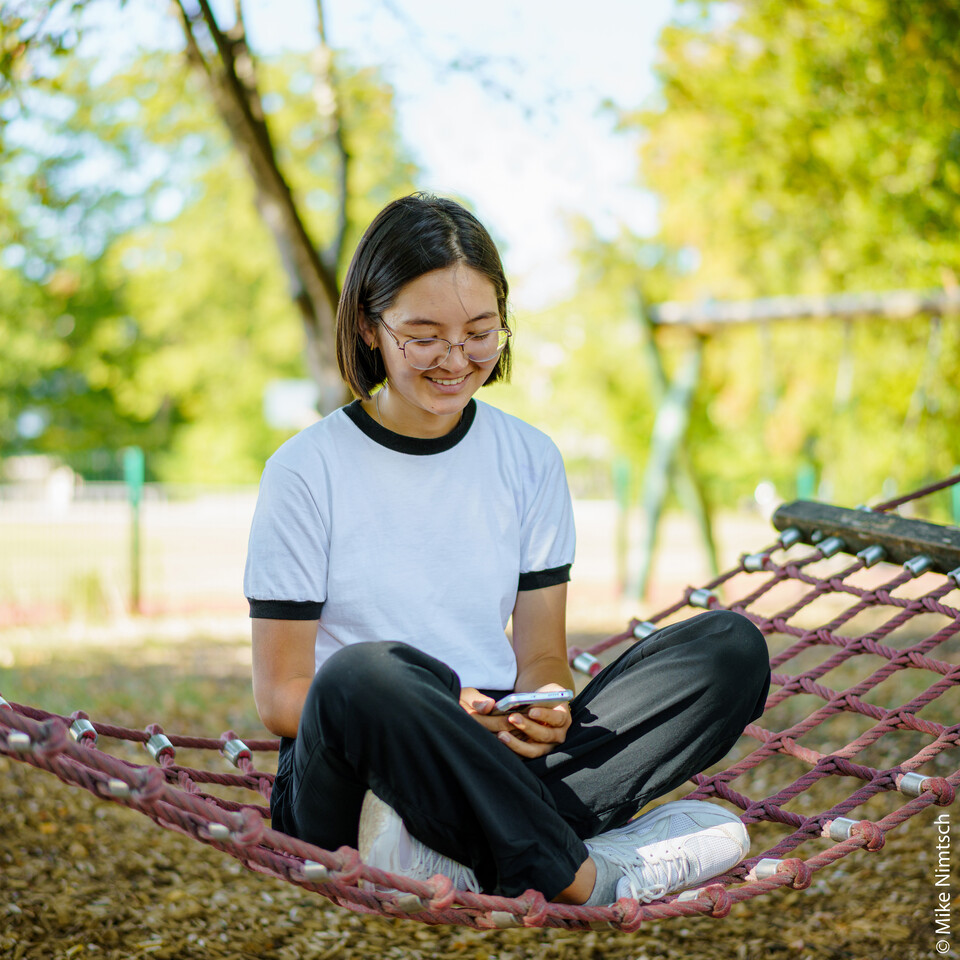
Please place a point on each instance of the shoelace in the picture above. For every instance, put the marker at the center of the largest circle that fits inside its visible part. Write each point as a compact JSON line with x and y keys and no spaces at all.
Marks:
{"x":671,"y":869}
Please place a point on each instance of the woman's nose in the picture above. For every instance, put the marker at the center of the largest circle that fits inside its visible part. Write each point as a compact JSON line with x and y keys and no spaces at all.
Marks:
{"x":456,"y":359}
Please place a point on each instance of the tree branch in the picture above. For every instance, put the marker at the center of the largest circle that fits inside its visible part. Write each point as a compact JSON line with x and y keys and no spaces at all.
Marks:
{"x":327,"y":97}
{"x":194,"y":54}
{"x":232,"y":76}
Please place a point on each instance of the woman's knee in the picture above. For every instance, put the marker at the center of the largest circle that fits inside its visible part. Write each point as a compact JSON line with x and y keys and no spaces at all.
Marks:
{"x":738,"y":654}
{"x":364,"y":677}
{"x":360,"y":668}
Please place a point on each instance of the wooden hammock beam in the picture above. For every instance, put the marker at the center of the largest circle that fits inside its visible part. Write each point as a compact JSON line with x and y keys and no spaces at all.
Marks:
{"x":903,"y":540}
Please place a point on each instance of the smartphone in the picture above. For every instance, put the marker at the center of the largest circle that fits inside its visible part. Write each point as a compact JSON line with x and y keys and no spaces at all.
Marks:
{"x":522,"y":702}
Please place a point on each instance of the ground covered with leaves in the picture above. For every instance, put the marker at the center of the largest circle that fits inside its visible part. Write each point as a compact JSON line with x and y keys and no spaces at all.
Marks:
{"x":82,"y":878}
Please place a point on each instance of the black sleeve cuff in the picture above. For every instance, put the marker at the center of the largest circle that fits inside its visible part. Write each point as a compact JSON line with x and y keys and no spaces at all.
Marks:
{"x":285,"y":609}
{"x":538,"y":579}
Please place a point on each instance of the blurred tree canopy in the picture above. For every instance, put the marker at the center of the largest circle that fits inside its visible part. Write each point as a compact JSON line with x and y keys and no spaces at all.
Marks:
{"x":154,"y":273}
{"x":142,"y":295}
{"x":799,"y":147}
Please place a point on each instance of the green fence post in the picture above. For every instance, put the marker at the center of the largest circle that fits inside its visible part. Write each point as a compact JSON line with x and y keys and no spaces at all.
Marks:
{"x":133,"y":475}
{"x":621,"y":491}
{"x":806,"y":481}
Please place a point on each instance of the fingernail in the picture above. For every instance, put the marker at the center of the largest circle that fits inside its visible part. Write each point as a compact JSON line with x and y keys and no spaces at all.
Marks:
{"x":503,"y":736}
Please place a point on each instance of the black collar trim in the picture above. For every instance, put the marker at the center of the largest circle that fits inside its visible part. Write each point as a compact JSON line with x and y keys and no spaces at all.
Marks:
{"x":417,"y":446}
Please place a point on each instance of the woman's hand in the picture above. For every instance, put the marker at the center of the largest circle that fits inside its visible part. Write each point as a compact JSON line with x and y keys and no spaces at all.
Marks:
{"x":533,"y":734}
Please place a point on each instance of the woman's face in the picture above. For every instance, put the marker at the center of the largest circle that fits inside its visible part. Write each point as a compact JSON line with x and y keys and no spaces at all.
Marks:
{"x":452,"y":303}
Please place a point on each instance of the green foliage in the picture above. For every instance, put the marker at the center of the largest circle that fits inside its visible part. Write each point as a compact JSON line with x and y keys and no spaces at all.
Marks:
{"x":143,"y":300}
{"x":802,"y":148}
{"x":581,"y":371}
{"x":810,"y":146}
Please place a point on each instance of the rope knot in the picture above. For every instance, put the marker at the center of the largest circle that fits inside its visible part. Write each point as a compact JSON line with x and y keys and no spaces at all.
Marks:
{"x":798,"y":869}
{"x":249,"y":829}
{"x":870,"y":832}
{"x":535,"y":910}
{"x":442,"y":892}
{"x":52,"y":736}
{"x":942,"y":789}
{"x":630,"y":914}
{"x":348,"y":867}
{"x":150,"y":785}
{"x":716,"y":894}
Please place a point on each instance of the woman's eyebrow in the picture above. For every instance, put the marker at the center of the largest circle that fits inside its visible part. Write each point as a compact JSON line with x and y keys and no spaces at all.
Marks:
{"x":426,"y":321}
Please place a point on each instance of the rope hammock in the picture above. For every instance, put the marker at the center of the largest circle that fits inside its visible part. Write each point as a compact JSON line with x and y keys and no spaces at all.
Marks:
{"x":874,"y":581}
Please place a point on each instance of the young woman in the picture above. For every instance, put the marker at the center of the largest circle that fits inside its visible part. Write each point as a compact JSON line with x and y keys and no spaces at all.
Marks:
{"x":392,"y":543}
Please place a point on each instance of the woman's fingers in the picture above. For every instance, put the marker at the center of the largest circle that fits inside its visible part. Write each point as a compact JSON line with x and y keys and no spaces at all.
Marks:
{"x":543,"y":725}
{"x":552,"y":717}
{"x":530,"y":735}
{"x":519,"y":744}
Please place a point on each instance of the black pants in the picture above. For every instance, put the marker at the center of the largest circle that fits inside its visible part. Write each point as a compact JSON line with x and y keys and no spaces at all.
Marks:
{"x":385,"y":716}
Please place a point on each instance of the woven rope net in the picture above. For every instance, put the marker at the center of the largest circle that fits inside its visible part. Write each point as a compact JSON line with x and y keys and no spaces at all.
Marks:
{"x":856,"y":738}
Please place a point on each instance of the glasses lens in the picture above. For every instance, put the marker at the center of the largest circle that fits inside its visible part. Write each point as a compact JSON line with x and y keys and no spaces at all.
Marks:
{"x":485,"y":346}
{"x":426,"y":354}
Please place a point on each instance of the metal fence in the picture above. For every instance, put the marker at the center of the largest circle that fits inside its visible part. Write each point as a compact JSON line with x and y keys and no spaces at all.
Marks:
{"x":74,"y":550}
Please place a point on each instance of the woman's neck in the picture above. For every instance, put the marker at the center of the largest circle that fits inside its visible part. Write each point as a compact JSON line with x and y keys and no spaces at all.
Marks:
{"x":395,"y":414}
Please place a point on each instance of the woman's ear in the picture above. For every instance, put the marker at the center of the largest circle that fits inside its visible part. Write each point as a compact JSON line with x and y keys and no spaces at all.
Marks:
{"x":368,"y":330}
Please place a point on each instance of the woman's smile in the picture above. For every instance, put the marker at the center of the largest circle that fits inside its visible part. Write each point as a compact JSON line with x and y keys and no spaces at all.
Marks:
{"x":448,"y":383}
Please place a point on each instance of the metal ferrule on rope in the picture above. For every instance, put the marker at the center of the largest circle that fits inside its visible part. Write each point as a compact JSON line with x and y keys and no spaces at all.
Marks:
{"x":831,"y":547}
{"x":587,"y":663}
{"x":701,"y":598}
{"x":236,"y":750}
{"x":159,"y":746}
{"x":789,"y":537}
{"x":917,"y":565}
{"x":872,"y":555}
{"x":82,"y":730}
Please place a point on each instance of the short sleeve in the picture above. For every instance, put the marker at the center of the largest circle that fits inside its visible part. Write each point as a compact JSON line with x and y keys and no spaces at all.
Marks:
{"x":287,"y":555}
{"x":547,"y":537}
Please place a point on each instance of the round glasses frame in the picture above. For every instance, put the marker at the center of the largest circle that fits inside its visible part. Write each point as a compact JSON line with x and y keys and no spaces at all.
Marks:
{"x":503,"y":335}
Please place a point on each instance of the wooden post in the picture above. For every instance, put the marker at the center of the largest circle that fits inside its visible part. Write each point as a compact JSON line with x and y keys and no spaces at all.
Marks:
{"x":669,"y":428}
{"x":669,"y":458}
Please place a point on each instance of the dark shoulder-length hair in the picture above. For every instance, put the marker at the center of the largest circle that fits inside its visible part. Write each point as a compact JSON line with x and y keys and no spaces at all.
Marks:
{"x":408,"y":238}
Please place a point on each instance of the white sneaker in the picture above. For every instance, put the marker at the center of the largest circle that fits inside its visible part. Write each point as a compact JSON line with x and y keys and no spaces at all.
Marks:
{"x":386,"y":844}
{"x":673,"y":847}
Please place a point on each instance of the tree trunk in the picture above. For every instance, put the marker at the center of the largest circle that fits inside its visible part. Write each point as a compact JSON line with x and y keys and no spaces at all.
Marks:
{"x":231,"y":74}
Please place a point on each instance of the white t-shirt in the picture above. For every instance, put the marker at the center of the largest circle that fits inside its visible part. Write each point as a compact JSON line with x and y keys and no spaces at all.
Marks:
{"x":386,"y":537}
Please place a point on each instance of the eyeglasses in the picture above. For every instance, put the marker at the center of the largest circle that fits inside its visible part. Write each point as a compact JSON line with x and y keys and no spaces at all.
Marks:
{"x":430,"y":352}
